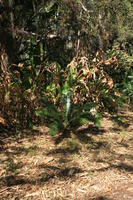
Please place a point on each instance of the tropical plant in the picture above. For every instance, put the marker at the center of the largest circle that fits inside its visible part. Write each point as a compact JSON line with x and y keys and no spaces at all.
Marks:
{"x":59,"y":107}
{"x":76,"y":94}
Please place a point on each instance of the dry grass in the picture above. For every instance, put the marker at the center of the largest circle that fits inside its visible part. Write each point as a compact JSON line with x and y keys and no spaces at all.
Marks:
{"x":90,"y":164}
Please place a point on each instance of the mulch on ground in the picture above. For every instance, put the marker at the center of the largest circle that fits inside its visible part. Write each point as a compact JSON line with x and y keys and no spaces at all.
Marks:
{"x":90,"y":164}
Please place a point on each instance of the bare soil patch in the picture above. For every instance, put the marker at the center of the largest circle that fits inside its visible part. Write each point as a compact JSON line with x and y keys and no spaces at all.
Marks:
{"x":89,"y":164}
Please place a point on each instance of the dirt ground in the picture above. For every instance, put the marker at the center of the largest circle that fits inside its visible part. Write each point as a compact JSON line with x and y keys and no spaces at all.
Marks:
{"x":88,"y":164}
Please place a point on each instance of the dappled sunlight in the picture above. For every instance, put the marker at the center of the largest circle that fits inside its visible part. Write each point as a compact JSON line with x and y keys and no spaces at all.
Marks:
{"x":79,"y":162}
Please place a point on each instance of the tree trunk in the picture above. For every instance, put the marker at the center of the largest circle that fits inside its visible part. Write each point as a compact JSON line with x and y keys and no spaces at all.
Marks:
{"x":6,"y":49}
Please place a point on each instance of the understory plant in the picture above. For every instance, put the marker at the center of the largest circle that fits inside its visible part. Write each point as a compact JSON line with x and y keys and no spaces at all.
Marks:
{"x":76,"y":94}
{"x":60,"y":111}
{"x":24,"y":86}
{"x":123,"y":75}
{"x":128,"y":87}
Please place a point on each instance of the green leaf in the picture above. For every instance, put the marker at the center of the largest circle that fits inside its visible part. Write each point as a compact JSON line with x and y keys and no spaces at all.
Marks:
{"x":98,"y":123}
{"x":41,"y":112}
{"x":53,"y":129}
{"x":83,"y":121}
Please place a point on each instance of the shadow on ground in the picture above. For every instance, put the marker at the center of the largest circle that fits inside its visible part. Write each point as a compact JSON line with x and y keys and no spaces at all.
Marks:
{"x":47,"y":173}
{"x":74,"y":153}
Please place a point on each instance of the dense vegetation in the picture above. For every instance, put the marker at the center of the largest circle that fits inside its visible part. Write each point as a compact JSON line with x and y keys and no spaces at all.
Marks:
{"x":64,"y":62}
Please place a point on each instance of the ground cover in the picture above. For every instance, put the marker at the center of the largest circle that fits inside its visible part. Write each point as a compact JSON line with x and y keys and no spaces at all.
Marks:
{"x":86,"y":164}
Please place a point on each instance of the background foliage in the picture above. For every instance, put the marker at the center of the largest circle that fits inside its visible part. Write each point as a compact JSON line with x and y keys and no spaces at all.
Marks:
{"x":64,"y":60}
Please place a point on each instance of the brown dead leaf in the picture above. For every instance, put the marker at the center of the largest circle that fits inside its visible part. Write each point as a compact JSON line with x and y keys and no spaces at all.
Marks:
{"x":2,"y":121}
{"x":117,"y":94}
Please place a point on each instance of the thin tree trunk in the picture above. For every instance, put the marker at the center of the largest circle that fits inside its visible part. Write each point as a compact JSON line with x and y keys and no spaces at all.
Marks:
{"x":11,"y":15}
{"x":6,"y":49}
